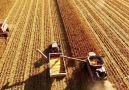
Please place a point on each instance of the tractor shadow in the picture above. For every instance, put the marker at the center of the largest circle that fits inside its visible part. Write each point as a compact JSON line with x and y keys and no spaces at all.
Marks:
{"x":36,"y":82}
{"x":40,"y":81}
{"x":42,"y":60}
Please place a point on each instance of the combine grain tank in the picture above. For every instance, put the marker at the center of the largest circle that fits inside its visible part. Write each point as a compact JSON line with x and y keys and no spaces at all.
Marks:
{"x":96,"y":67}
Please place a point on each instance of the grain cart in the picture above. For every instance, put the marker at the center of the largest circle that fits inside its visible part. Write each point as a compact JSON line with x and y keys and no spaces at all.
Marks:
{"x":56,"y":63}
{"x":4,"y":29}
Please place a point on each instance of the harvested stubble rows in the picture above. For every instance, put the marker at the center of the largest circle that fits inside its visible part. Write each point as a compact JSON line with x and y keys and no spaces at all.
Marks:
{"x":5,"y":6}
{"x":109,"y":24}
{"x":36,"y":23}
{"x":33,"y":21}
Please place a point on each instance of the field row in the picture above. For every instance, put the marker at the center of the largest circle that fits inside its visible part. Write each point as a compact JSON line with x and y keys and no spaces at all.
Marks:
{"x":36,"y":25}
{"x":104,"y":28}
{"x":81,"y":42}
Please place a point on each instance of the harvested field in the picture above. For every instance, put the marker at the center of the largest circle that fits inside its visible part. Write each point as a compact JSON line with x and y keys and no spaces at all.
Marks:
{"x":80,"y":26}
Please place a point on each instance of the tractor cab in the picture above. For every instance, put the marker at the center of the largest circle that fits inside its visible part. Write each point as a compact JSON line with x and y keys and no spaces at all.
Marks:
{"x":54,"y":47}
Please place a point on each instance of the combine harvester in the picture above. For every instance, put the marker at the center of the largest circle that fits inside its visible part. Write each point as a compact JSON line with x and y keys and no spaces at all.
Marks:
{"x":4,"y":29}
{"x":94,"y":63}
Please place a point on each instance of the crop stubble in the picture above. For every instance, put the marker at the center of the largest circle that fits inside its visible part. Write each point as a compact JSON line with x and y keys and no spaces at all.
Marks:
{"x":30,"y":17}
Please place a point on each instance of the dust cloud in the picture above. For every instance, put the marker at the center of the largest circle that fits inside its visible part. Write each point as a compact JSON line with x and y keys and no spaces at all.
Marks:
{"x":106,"y":85}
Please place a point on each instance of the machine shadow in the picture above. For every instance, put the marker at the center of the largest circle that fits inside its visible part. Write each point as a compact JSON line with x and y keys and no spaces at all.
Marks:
{"x":36,"y":82}
{"x":42,"y":60}
{"x":41,"y":81}
{"x":80,"y":78}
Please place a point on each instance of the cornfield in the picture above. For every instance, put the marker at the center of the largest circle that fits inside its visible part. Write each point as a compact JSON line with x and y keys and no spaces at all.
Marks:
{"x":80,"y":26}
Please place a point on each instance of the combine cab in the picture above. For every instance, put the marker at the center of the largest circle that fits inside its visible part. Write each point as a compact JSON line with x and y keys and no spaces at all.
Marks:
{"x":54,"y":47}
{"x":96,"y":67}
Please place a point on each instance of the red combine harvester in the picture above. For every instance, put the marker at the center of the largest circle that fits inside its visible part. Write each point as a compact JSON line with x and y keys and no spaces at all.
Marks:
{"x":4,"y":30}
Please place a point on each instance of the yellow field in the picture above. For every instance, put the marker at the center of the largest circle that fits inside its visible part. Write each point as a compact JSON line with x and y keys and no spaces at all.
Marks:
{"x":79,"y":26}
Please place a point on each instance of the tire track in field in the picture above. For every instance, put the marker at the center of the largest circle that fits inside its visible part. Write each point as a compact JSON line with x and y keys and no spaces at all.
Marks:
{"x":42,"y":25}
{"x":51,"y":24}
{"x":100,"y":40}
